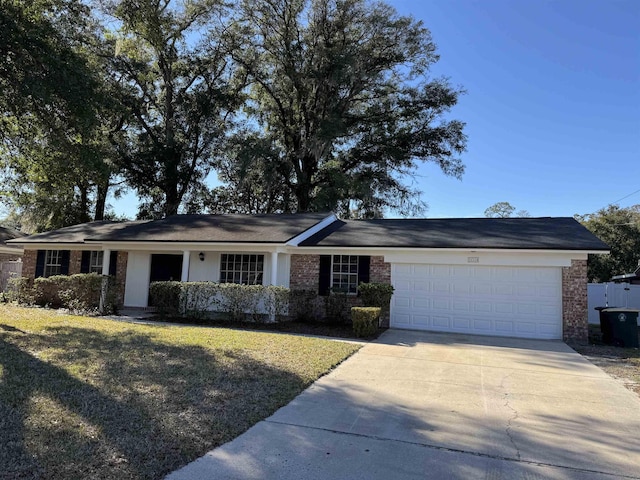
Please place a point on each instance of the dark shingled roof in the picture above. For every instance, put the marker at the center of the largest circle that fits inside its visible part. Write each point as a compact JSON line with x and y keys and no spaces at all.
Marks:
{"x":502,"y":233}
{"x":274,"y":228}
{"x":7,"y":233}
{"x":77,"y":233}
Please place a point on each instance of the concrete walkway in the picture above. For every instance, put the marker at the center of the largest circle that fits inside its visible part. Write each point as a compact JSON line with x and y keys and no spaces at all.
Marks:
{"x":417,"y":405}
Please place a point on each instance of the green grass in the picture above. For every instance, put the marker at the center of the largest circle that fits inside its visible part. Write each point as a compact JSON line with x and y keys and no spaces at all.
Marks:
{"x":88,"y":398}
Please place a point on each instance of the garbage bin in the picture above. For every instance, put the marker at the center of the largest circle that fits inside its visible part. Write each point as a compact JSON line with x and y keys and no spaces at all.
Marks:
{"x":619,"y":326}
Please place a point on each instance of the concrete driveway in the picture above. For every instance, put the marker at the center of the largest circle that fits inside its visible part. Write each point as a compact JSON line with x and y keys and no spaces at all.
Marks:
{"x":417,"y":405}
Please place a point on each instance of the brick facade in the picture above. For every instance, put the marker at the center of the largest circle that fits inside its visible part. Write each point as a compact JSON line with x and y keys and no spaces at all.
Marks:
{"x":121,"y":275}
{"x":75,"y":262}
{"x":29,"y":258}
{"x":575,"y":324}
{"x":305,"y":275}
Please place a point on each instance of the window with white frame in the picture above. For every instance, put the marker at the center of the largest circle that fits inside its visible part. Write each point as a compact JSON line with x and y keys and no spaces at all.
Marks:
{"x":344,"y":273}
{"x":52,"y":263}
{"x":95,"y":261}
{"x":246,"y":269}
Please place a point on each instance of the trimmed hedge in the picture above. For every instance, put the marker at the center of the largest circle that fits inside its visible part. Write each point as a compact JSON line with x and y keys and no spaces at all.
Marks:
{"x":80,"y":292}
{"x":365,"y":320}
{"x":376,"y":294}
{"x":237,"y":302}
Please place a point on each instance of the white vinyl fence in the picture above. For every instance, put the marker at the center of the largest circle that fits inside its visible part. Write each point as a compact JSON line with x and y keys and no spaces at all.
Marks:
{"x":613,"y":295}
{"x":8,"y":270}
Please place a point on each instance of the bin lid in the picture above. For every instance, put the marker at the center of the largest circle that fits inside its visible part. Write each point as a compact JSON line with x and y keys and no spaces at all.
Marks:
{"x":620,"y":309}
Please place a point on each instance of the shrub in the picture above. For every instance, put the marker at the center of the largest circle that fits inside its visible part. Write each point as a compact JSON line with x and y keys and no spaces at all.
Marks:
{"x":236,"y":302}
{"x":336,"y":305}
{"x":365,"y":320}
{"x":277,"y":302}
{"x":302,"y":305}
{"x":375,"y":294}
{"x":166,"y":298}
{"x":20,"y":290}
{"x":81,"y":292}
{"x":198,"y":299}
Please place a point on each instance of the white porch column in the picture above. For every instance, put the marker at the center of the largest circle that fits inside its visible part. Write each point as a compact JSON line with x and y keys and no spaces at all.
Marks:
{"x":186,"y":258}
{"x":274,"y":268}
{"x":106,"y":258}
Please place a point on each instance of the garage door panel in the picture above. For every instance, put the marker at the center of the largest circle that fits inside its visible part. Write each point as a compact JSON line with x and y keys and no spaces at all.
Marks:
{"x":514,"y":301}
{"x":441,"y":321}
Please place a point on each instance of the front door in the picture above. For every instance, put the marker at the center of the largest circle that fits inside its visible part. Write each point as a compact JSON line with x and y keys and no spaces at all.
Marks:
{"x":165,"y":267}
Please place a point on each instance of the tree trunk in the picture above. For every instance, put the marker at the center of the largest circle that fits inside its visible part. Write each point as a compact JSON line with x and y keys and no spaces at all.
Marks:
{"x":101,"y":201}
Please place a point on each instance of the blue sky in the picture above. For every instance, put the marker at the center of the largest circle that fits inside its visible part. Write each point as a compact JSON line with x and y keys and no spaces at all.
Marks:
{"x":552,"y":105}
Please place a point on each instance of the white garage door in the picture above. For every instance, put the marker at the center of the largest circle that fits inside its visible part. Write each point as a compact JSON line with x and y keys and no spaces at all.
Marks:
{"x":505,"y":301}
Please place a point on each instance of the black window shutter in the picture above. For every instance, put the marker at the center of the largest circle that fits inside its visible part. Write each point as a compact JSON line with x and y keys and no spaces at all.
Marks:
{"x":324,"y":284}
{"x":84,"y":261}
{"x":40,"y":263}
{"x":364,"y":263}
{"x":113,"y":263}
{"x":64,"y":262}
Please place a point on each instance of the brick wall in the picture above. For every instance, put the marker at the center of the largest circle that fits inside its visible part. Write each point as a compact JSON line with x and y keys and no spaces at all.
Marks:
{"x":75,"y":262}
{"x":305,"y":273}
{"x":121,"y":274}
{"x":29,"y":263}
{"x":575,"y":326}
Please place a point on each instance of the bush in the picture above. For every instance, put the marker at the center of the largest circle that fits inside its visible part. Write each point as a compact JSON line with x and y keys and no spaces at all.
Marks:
{"x":198,"y":300}
{"x":336,"y":305}
{"x":302,"y":305}
{"x":166,"y":297}
{"x":365,"y":320}
{"x":20,"y":290}
{"x":375,"y":294}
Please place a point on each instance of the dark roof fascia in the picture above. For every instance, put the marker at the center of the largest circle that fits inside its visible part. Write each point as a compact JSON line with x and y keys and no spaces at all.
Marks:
{"x":91,"y":241}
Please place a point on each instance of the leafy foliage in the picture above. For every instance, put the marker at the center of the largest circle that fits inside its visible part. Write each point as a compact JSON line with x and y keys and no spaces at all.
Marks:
{"x":79,"y":293}
{"x":620,"y":229}
{"x":365,"y":320}
{"x":341,"y":106}
{"x":504,"y":210}
{"x":52,"y":152}
{"x":177,"y":94}
{"x":236,"y":302}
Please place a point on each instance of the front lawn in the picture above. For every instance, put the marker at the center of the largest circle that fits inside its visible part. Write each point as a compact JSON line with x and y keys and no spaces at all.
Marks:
{"x":87,"y":397}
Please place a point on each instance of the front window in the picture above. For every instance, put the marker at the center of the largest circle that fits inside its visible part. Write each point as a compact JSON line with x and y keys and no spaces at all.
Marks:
{"x":52,"y":263}
{"x":241,"y":268}
{"x":344,"y":273}
{"x":95,"y":262}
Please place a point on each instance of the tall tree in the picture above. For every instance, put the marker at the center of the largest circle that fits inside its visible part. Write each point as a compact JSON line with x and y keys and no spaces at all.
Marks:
{"x":504,"y":210}
{"x":54,"y":170}
{"x":620,"y":228}
{"x":177,"y":96}
{"x":341,"y":93}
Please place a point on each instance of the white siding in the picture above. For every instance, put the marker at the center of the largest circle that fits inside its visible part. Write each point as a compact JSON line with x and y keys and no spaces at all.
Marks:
{"x":136,"y":292}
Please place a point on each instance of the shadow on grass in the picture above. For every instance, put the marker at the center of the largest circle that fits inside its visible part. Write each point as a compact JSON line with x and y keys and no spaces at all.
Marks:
{"x":79,"y":403}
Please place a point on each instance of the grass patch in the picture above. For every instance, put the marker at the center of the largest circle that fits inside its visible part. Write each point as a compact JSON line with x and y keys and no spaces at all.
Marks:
{"x":85,"y":397}
{"x":621,"y":363}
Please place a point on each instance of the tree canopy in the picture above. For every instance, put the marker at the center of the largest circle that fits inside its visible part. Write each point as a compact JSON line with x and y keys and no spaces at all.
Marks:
{"x":620,"y":228}
{"x":342,"y":104}
{"x":296,"y":105}
{"x":504,"y":210}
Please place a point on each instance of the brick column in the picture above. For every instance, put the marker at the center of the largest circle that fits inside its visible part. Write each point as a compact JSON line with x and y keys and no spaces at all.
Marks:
{"x":305,"y":272}
{"x":75,"y":262}
{"x":121,"y":274}
{"x":575,"y":324}
{"x":29,"y":258}
{"x":380,"y":272}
